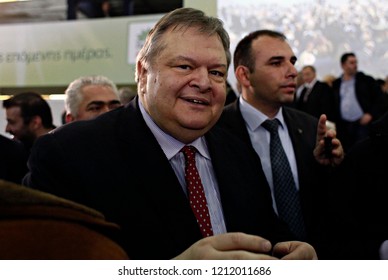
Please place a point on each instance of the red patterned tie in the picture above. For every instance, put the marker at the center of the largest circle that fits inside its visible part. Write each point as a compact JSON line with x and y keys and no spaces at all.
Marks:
{"x":196,"y":194}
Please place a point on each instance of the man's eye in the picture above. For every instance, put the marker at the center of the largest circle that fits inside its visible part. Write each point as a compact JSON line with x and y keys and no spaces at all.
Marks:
{"x":94,"y":108}
{"x":217,"y":73}
{"x":184,"y":67}
{"x":114,"y":106}
{"x":276,"y":63}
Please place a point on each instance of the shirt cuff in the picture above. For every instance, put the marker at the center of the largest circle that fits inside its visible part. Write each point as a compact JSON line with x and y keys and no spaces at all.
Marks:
{"x":384,"y":250}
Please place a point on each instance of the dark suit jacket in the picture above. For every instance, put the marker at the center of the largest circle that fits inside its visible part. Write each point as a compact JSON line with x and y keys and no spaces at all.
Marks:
{"x":319,"y":101}
{"x":302,"y":128}
{"x":359,"y":197}
{"x":13,"y":160}
{"x":369,"y":96}
{"x":115,"y":165}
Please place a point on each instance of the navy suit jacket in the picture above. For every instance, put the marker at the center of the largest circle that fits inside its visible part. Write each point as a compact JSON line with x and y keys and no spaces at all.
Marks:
{"x":312,"y":176}
{"x":115,"y":165}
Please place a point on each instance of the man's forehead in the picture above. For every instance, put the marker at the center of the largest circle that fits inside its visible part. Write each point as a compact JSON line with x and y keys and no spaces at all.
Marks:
{"x":351,"y":59}
{"x":13,"y":110}
{"x":98,"y":92}
{"x":184,"y":50}
{"x":280,"y":48}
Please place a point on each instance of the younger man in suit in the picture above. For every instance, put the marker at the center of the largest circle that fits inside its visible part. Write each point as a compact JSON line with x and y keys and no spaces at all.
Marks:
{"x":358,"y":101}
{"x":264,"y":67}
{"x":134,"y":169}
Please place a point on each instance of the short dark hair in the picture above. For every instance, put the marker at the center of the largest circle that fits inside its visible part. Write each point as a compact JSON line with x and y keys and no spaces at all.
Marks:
{"x":31,"y":104}
{"x":243,"y":52}
{"x":345,"y":56}
{"x":309,"y":67}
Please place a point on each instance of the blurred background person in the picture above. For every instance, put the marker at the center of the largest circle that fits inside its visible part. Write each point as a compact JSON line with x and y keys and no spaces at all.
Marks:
{"x":126,"y":94}
{"x":90,"y":96}
{"x":329,"y":79}
{"x":90,"y":8}
{"x":357,"y":101}
{"x":358,"y":199}
{"x":28,"y":117}
{"x":314,"y":97}
{"x":13,"y":160}
{"x":99,"y":8}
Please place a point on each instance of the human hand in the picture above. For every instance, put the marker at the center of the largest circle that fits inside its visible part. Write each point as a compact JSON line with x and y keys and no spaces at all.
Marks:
{"x":294,"y":250}
{"x":365,"y":119}
{"x":229,"y":246}
{"x":337,"y":153}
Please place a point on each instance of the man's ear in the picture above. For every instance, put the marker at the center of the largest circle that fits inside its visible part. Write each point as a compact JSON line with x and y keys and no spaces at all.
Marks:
{"x":242,"y":76}
{"x":69,"y":118}
{"x":35,"y":123}
{"x":142,"y":77}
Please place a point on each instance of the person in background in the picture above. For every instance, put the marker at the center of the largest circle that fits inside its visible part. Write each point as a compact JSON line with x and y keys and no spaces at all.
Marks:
{"x":384,"y":87}
{"x":383,"y":84}
{"x":358,"y":198}
{"x":28,"y":117}
{"x":90,"y":8}
{"x":329,"y":79}
{"x":90,"y":96}
{"x":358,"y":101}
{"x":13,"y":160}
{"x":314,"y":97}
{"x":138,"y":169}
{"x":264,"y":67}
{"x":126,"y":94}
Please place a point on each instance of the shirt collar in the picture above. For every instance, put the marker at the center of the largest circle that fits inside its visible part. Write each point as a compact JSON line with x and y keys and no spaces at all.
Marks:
{"x":311,"y":84}
{"x":169,"y":144}
{"x":254,"y":118}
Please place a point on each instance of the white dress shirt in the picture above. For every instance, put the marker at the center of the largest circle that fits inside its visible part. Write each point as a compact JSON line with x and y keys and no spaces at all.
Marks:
{"x":309,"y":87}
{"x":171,"y":148}
{"x":260,"y":139}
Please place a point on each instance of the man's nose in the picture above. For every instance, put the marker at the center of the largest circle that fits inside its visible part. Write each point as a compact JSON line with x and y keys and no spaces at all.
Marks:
{"x":201,"y":80}
{"x":105,"y":108}
{"x":292,"y":71}
{"x":8,"y":129}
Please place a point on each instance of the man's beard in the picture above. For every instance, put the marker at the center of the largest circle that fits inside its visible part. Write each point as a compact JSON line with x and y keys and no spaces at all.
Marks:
{"x":28,"y":140}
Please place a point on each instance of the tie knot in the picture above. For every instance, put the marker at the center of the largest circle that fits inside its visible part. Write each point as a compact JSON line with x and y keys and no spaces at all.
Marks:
{"x":189,"y":152}
{"x":271,"y":125}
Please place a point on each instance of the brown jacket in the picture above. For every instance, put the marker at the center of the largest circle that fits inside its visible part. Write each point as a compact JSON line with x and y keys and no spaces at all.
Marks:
{"x":37,"y":225}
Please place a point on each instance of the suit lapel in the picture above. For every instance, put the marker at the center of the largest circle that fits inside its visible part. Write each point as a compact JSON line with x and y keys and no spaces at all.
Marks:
{"x":156,"y":177}
{"x":232,"y":118}
{"x":298,"y":136}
